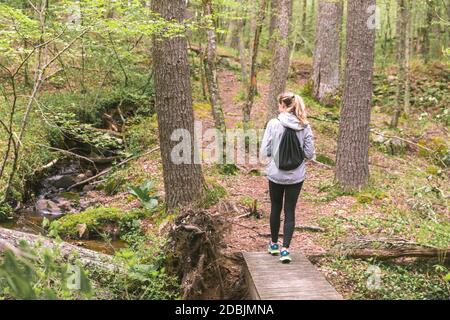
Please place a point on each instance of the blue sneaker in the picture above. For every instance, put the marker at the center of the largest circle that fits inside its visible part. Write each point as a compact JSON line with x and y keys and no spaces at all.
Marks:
{"x":285,"y":256}
{"x":274,"y":248}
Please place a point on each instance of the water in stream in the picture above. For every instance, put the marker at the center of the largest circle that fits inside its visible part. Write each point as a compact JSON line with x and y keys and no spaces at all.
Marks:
{"x":54,"y":201}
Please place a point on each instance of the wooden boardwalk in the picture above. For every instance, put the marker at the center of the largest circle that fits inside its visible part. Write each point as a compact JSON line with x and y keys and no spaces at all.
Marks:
{"x":301,"y":280}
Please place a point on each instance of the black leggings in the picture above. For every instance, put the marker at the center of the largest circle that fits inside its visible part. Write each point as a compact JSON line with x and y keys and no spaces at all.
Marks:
{"x":291,"y":193}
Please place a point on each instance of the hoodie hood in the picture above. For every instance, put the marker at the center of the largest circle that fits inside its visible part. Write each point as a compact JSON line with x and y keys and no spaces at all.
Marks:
{"x":288,"y":120}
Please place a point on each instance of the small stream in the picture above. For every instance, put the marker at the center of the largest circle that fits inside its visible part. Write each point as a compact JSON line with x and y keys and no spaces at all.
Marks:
{"x":53,"y":193}
{"x":53,"y":201}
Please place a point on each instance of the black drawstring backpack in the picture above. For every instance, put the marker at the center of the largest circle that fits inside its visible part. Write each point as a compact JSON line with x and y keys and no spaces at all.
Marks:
{"x":290,"y":154}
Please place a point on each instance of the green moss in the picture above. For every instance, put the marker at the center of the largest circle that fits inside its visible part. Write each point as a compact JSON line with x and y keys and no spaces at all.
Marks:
{"x":325,"y":159}
{"x":202,"y":109}
{"x":330,"y":191}
{"x":5,"y":212}
{"x":368,"y":195}
{"x":241,"y":96}
{"x":433,"y":170}
{"x":247,"y":201}
{"x":364,"y":198}
{"x":436,"y":150}
{"x":71,"y":196}
{"x":214,"y":192}
{"x":228,"y":169}
{"x":95,"y":220}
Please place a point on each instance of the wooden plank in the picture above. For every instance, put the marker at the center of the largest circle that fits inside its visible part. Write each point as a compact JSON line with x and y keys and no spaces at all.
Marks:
{"x":269,"y":279}
{"x":253,"y":293}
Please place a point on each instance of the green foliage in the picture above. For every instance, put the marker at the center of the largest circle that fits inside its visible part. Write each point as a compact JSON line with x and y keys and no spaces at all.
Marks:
{"x":412,"y":281}
{"x":5,"y":211}
{"x":364,"y":198}
{"x":437,"y":150}
{"x":330,"y":191}
{"x":146,"y":277}
{"x":228,"y":169}
{"x":430,"y":95}
{"x":114,"y":183}
{"x":394,"y":222}
{"x":202,"y":109}
{"x":369,"y":195}
{"x":422,"y":200}
{"x":95,"y":221}
{"x":214,"y":192}
{"x":36,"y":273}
{"x":146,"y":194}
{"x":37,"y":154}
{"x":433,"y":170}
{"x":70,"y":127}
{"x":325,"y":159}
{"x":127,"y":176}
{"x":334,"y":227}
{"x":250,"y":203}
{"x":13,"y":34}
{"x":141,"y":133}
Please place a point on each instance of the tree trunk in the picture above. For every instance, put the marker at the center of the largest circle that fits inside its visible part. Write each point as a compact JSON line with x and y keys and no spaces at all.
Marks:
{"x":408,"y":54}
{"x":232,"y":39}
{"x":274,"y":11}
{"x":428,"y":30}
{"x":252,"y":28}
{"x":304,"y":6}
{"x":183,"y":180}
{"x":352,"y":165}
{"x":202,"y":72}
{"x":242,"y":55}
{"x":387,"y":34}
{"x":281,"y":56}
{"x":312,"y":20}
{"x":211,"y":71}
{"x":252,"y":89}
{"x":402,"y":26}
{"x":326,"y":73}
{"x":231,"y":34}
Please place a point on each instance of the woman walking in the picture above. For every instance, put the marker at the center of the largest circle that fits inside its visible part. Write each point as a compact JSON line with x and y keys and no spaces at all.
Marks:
{"x":287,"y":169}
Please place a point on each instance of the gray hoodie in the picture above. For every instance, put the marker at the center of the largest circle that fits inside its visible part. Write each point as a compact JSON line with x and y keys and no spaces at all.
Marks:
{"x":271,"y":142}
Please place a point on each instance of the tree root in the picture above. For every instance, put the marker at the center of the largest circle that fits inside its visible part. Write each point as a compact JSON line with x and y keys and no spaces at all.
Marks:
{"x":195,"y":243}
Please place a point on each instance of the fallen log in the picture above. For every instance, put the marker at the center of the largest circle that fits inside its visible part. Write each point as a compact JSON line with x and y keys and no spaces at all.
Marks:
{"x":385,"y":249}
{"x":11,"y":239}
{"x":394,"y":253}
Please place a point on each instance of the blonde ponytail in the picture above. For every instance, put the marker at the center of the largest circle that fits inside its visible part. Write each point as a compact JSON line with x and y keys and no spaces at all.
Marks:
{"x":295,"y":105}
